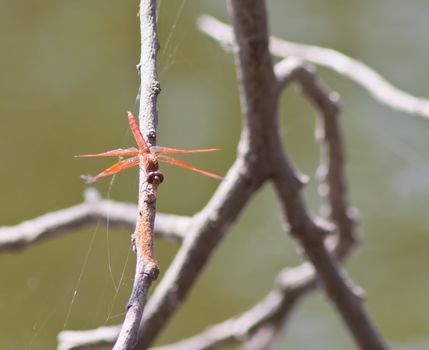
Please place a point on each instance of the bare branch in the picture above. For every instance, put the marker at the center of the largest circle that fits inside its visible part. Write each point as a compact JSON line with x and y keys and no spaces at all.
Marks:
{"x":146,"y":267}
{"x":310,"y":235}
{"x":290,"y":284}
{"x":309,"y":232}
{"x":369,"y":79}
{"x":72,"y":340}
{"x":332,"y":155}
{"x":93,"y":210}
{"x":333,"y":187}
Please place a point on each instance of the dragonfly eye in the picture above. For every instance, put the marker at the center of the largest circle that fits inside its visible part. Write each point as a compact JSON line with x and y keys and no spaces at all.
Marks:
{"x":155,"y":177}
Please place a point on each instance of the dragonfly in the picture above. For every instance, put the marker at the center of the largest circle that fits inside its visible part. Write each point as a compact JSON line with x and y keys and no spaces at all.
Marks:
{"x":146,"y":157}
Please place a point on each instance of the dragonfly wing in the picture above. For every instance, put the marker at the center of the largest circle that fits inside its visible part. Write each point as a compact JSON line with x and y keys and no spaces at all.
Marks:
{"x":165,"y":150}
{"x":173,"y":161}
{"x":113,"y":169}
{"x":137,"y":134}
{"x":120,"y":152}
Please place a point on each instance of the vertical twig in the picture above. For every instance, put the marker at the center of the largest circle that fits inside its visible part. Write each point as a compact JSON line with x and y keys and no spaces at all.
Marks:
{"x":146,"y":266}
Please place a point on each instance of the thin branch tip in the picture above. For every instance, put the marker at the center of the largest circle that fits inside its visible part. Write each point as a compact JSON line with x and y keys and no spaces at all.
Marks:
{"x":91,"y":195}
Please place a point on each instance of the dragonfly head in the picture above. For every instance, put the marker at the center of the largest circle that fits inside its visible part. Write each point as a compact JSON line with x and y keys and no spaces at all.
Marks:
{"x":155,"y":177}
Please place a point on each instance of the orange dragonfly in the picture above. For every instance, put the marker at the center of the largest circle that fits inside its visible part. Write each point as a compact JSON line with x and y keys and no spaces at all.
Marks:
{"x":145,"y":156}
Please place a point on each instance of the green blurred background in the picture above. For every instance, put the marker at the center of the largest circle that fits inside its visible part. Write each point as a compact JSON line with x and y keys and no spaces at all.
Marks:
{"x":68,"y":77}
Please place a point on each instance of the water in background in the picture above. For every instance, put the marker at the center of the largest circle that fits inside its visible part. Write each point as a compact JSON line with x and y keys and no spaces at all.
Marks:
{"x":68,"y":77}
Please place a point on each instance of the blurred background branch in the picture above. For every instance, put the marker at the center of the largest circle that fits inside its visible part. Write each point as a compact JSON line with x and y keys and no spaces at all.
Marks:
{"x":368,"y":78}
{"x":93,"y":211}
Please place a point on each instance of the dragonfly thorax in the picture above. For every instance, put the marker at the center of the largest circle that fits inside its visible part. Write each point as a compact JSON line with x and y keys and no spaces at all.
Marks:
{"x":151,"y":167}
{"x":150,"y":162}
